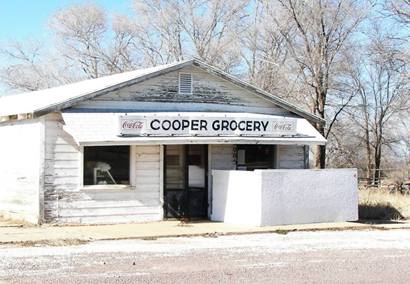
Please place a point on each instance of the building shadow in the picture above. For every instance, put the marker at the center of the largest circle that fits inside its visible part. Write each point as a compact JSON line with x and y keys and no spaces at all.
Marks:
{"x":379,"y":214}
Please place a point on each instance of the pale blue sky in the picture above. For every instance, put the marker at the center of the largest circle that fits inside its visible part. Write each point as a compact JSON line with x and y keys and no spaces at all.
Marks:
{"x":20,"y":19}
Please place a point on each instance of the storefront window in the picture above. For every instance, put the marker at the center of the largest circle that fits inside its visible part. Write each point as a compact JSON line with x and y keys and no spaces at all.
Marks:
{"x":252,"y":157}
{"x":107,"y":165}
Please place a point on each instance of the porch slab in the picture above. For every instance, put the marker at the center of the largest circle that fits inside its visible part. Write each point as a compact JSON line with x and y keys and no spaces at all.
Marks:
{"x":60,"y":235}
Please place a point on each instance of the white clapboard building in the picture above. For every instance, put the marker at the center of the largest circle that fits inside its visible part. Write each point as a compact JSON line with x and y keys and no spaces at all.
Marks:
{"x":153,"y":144}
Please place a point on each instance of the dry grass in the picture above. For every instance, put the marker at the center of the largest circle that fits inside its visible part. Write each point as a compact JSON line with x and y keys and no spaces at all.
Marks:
{"x":379,"y":204}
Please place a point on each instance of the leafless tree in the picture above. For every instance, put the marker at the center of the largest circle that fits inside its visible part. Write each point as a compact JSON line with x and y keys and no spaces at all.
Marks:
{"x":383,"y":98}
{"x":88,"y":43}
{"x":29,"y":68}
{"x":400,"y":9}
{"x":264,"y":51}
{"x":321,"y":29}
{"x":179,"y":28}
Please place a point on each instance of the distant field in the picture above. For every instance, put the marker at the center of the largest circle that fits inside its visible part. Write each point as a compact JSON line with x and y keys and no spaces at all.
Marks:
{"x":379,"y":204}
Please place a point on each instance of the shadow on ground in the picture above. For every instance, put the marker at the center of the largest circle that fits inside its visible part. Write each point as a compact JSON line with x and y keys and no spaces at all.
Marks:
{"x":383,"y":213}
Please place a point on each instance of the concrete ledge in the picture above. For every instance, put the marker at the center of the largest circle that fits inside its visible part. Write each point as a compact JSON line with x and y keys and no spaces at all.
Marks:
{"x":71,"y":235}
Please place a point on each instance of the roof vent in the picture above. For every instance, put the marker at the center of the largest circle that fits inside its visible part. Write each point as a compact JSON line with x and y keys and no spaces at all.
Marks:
{"x":185,"y":83}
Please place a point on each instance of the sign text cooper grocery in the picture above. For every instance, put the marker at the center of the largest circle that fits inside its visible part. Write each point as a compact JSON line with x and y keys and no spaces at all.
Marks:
{"x":133,"y":125}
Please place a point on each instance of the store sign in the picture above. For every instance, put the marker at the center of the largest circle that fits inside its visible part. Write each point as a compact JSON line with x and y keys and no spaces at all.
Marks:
{"x":157,"y":125}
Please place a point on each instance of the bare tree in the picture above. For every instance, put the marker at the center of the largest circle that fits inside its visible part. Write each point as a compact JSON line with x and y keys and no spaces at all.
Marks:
{"x":382,"y":102}
{"x":264,"y":51}
{"x":180,"y":28}
{"x":84,"y":44}
{"x":321,"y":29}
{"x":88,"y":43}
{"x":30,"y":67}
{"x":84,"y":40}
{"x":400,"y":9}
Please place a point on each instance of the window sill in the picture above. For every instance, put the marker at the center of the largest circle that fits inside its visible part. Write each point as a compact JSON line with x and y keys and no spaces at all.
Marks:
{"x":108,"y":187}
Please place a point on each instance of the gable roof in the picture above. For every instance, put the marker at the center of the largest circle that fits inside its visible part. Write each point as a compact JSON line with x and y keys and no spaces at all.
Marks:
{"x":44,"y":101}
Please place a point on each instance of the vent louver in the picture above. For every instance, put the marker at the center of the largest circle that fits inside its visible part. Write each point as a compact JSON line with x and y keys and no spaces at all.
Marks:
{"x":185,"y":83}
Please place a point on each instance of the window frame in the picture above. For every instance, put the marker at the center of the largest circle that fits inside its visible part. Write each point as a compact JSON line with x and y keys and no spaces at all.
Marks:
{"x":132,"y":176}
{"x":248,"y":166}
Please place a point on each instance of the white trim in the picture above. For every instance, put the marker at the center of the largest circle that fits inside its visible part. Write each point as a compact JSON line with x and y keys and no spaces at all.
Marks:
{"x":179,"y":83}
{"x":161,"y":178}
{"x":42,"y":170}
{"x":107,"y":186}
{"x":81,"y":166}
{"x":209,"y":180}
{"x":204,"y":140}
{"x":132,"y":179}
{"x":133,"y":160}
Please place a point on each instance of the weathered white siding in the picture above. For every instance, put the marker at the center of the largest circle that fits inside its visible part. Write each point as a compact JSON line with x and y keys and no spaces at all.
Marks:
{"x":291,"y":157}
{"x":62,"y":167}
{"x":222,"y":157}
{"x":138,"y":203}
{"x":67,"y":201}
{"x":20,"y":168}
{"x":210,"y":93}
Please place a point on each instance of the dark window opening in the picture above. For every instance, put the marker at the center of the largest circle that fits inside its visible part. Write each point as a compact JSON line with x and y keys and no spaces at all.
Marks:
{"x":107,"y":165}
{"x":252,"y":157}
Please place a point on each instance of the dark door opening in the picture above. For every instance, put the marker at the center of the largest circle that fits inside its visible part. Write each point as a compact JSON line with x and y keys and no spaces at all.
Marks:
{"x":185,"y":181}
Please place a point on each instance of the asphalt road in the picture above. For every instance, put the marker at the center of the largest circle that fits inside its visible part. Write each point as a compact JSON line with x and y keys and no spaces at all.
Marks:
{"x":299,"y":257}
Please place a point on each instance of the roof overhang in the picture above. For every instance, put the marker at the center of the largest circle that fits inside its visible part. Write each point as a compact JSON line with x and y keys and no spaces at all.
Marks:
{"x":104,"y":129}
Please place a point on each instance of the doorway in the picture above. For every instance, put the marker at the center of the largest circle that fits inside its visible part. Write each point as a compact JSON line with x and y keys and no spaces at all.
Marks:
{"x":186,"y":181}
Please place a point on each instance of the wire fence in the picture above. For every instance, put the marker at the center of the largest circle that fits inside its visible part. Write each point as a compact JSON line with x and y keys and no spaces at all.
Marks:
{"x":392,"y":179}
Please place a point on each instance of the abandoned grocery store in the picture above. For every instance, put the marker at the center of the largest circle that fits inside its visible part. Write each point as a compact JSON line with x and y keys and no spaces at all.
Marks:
{"x":144,"y":145}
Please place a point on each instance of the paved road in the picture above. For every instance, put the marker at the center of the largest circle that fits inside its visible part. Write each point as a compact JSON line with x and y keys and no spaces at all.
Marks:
{"x":299,"y":257}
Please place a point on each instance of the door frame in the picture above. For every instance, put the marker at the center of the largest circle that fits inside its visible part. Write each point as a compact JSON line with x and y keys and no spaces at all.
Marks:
{"x":186,"y":182}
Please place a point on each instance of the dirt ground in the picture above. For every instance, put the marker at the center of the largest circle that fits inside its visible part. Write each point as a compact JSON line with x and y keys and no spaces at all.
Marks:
{"x":296,"y":257}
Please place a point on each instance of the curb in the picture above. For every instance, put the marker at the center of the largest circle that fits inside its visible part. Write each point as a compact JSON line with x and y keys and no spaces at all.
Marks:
{"x":80,"y":241}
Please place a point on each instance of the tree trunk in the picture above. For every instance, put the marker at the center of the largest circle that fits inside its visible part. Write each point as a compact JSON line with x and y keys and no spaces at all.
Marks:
{"x":377,"y":163}
{"x":369,"y":163}
{"x":320,"y":155}
{"x":368,"y":150}
{"x":320,"y":159}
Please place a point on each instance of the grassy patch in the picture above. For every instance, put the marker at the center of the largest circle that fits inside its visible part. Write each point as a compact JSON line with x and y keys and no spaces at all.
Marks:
{"x":378,"y":204}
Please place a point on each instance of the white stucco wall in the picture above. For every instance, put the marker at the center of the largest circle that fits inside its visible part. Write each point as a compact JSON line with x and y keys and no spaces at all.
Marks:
{"x":20,"y":168}
{"x":237,"y":197}
{"x":280,"y":197}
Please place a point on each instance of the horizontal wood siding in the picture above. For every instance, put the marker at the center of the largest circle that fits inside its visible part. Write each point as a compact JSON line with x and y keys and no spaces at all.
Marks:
{"x":67,"y":202}
{"x":20,"y":167}
{"x":222,"y":157}
{"x":210,"y":93}
{"x":290,"y":157}
{"x":62,"y":167}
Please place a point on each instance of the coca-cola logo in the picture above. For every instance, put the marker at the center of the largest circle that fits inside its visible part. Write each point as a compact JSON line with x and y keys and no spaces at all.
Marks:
{"x":282,"y":126}
{"x":132,"y":124}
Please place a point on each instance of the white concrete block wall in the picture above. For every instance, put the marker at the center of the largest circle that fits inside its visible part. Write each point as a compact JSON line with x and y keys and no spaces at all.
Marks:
{"x":220,"y":157}
{"x":20,"y":154}
{"x":309,"y":196}
{"x":237,"y":197}
{"x":280,"y":197}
